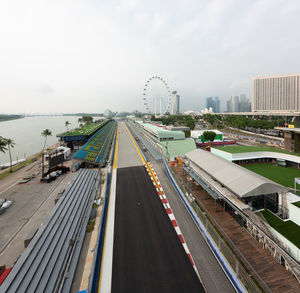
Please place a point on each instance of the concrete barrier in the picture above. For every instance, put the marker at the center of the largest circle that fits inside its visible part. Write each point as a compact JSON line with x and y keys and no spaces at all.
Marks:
{"x":94,"y":283}
{"x":239,"y":287}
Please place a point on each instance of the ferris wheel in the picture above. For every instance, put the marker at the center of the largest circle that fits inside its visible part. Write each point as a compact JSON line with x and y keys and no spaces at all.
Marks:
{"x":146,"y":99}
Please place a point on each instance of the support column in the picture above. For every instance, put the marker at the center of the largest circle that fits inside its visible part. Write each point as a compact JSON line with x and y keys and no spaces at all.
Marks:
{"x":297,"y":142}
{"x":288,"y":141}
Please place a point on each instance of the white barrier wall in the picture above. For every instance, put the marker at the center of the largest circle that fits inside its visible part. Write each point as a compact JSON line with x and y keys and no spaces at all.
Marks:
{"x":294,"y":213}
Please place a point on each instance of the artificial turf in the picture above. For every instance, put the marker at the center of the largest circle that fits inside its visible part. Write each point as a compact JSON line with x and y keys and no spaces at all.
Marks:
{"x":85,"y":130}
{"x":282,"y":175}
{"x":297,"y":204}
{"x":288,"y":229}
{"x":249,"y":149}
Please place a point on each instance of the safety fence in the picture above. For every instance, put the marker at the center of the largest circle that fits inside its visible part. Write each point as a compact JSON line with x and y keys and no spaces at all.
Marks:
{"x":230,"y":263}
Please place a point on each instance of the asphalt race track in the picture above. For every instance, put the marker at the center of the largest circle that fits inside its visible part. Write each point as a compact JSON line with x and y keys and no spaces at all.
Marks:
{"x":148,"y":255}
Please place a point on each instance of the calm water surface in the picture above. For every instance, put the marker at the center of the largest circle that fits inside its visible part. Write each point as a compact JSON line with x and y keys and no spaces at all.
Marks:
{"x":26,"y":133}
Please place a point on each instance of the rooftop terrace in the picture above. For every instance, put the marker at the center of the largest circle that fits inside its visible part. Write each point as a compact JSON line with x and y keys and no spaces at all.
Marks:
{"x":85,"y":130}
{"x":95,"y":149}
{"x":281,"y":175}
{"x":288,"y":229}
{"x":249,"y":149}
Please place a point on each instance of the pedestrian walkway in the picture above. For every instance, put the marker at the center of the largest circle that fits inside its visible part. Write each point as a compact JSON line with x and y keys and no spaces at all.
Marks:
{"x":273,"y":274}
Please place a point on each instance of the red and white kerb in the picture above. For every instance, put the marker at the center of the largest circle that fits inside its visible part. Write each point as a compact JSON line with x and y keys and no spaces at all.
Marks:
{"x":168,"y":209}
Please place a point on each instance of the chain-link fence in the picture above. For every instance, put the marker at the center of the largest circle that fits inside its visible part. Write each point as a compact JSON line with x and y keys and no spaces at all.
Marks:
{"x":246,"y":278}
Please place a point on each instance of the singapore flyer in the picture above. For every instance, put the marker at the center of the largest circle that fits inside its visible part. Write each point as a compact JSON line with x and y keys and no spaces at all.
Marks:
{"x":157,"y":104}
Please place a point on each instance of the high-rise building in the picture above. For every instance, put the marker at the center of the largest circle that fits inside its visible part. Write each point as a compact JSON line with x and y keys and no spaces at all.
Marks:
{"x":245,"y":105}
{"x":216,"y":106}
{"x":238,"y":104}
{"x":235,"y":103}
{"x":276,"y":93}
{"x":229,"y":106}
{"x":175,"y":103}
{"x":213,"y":103}
{"x":209,"y":102}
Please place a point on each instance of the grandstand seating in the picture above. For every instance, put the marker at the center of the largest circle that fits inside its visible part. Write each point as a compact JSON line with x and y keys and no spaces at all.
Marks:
{"x":4,"y":274}
{"x":97,"y":146}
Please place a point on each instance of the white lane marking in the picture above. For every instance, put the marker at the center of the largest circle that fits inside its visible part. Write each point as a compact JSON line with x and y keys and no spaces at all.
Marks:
{"x":185,"y":247}
{"x":172,"y":217}
{"x":177,"y":229}
{"x":106,"y":277}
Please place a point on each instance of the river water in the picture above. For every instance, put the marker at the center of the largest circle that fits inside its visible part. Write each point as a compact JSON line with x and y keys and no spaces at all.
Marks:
{"x":26,"y":133}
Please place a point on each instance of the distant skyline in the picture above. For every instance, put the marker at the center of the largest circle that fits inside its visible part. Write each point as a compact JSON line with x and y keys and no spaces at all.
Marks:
{"x":88,"y":56}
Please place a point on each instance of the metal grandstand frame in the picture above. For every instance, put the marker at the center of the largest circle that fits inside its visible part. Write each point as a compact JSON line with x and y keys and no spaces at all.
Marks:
{"x":108,"y":138}
{"x":49,"y":262}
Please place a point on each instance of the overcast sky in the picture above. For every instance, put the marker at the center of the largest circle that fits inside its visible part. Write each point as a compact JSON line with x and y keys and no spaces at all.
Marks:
{"x":87,"y":56}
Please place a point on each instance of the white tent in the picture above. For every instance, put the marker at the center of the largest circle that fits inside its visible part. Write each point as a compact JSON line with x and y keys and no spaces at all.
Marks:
{"x":67,"y":151}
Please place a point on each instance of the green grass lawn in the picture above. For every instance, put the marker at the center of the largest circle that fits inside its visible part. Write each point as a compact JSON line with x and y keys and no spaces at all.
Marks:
{"x":288,"y":229}
{"x":282,"y":175}
{"x":297,"y":204}
{"x":85,"y":130}
{"x":249,"y":149}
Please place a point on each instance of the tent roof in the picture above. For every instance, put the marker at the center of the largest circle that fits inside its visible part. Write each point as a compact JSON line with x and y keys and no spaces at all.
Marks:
{"x":239,"y":180}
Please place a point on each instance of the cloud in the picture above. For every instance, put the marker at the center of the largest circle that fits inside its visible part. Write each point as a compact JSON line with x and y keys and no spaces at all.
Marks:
{"x":45,"y":89}
{"x":102,"y":52}
{"x":239,"y":85}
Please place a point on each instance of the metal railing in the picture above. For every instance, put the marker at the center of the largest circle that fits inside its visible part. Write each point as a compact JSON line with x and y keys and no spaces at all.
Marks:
{"x":250,"y":278}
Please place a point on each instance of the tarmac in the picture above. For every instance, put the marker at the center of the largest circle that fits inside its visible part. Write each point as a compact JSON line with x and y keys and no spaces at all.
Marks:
{"x":32,"y":203}
{"x":147,"y":254}
{"x":211,"y":274}
{"x":127,"y":154}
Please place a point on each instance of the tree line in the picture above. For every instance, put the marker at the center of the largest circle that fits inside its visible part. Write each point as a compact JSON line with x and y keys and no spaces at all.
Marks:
{"x":178,"y":120}
{"x":4,"y":117}
{"x":244,"y":122}
{"x":85,"y":120}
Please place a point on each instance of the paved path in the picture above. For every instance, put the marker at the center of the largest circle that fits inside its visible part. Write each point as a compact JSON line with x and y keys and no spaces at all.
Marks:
{"x":273,"y":274}
{"x":212,"y":275}
{"x":32,"y":203}
{"x":127,"y":154}
{"x":147,"y":254}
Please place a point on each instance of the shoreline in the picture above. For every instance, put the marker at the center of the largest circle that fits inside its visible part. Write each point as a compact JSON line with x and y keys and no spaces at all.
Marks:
{"x":26,"y":163}
{"x":9,"y":119}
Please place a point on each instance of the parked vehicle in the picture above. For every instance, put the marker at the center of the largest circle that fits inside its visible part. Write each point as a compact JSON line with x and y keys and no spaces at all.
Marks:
{"x":2,"y":201}
{"x":7,"y":204}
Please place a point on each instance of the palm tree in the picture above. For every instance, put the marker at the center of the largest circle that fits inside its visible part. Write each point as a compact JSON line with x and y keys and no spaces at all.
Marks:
{"x":67,"y":123}
{"x":2,"y":144}
{"x":10,"y":144}
{"x":46,"y":133}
